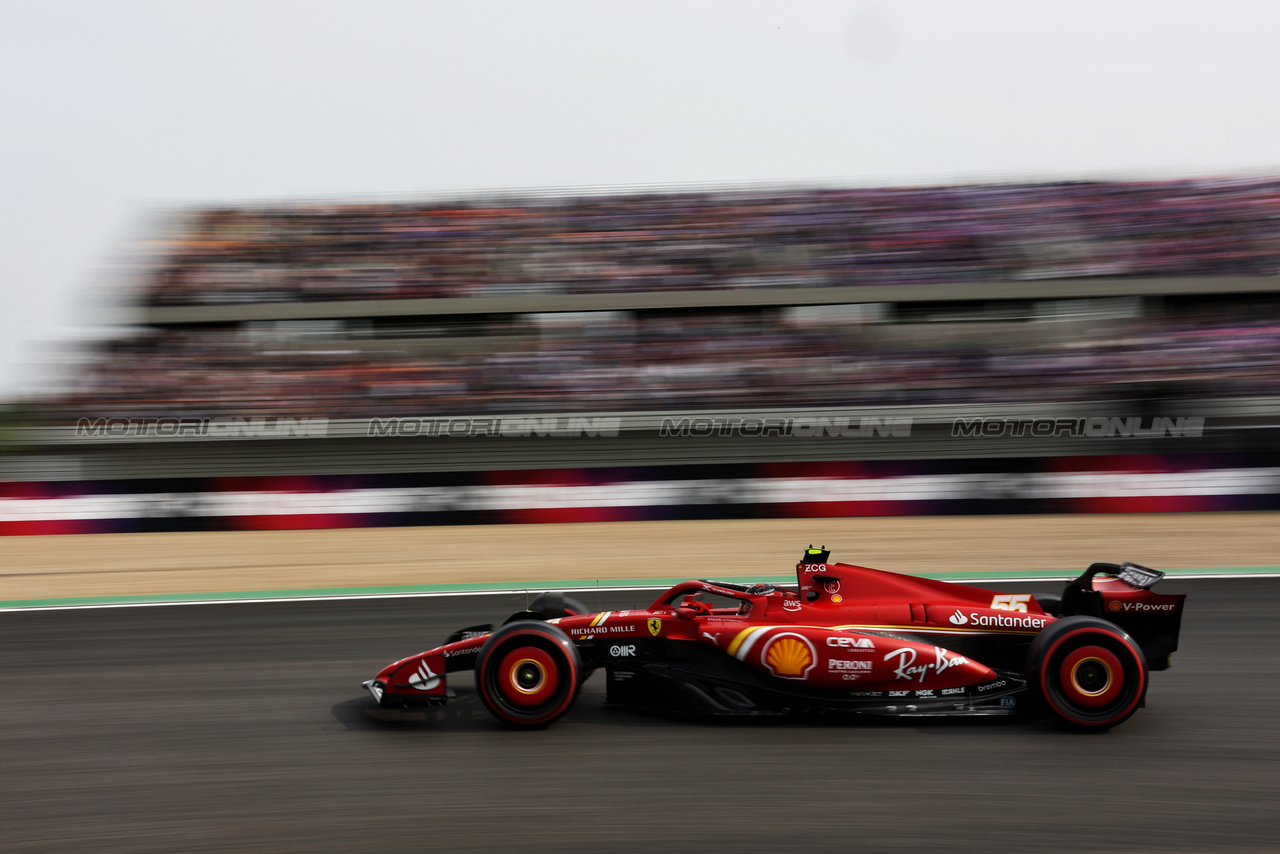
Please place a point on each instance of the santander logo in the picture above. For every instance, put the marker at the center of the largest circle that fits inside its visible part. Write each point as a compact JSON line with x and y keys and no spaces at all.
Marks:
{"x":424,"y":679}
{"x":999,"y":620}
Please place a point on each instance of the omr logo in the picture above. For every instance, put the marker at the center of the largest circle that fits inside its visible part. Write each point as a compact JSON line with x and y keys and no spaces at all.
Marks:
{"x":958,"y":619}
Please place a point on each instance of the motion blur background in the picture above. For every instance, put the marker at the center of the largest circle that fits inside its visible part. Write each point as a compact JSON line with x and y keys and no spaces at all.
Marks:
{"x":874,"y":215}
{"x":300,"y":297}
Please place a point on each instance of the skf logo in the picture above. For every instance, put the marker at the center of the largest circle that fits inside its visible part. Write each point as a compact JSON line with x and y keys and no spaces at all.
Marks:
{"x":655,"y":626}
{"x":958,"y":619}
{"x":790,"y":656}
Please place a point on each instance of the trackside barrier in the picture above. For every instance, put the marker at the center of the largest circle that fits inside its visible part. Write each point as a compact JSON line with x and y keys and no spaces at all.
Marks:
{"x":1098,"y":484}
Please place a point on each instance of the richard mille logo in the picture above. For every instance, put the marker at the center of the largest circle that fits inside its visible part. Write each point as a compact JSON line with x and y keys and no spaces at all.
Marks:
{"x":959,"y":619}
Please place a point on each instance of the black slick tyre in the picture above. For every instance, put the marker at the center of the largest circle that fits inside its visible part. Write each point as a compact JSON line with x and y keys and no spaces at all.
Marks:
{"x":1090,"y":674}
{"x":553,"y":604}
{"x":528,"y":673}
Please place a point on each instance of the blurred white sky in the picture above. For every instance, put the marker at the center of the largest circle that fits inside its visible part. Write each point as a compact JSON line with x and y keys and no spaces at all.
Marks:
{"x":109,"y":111}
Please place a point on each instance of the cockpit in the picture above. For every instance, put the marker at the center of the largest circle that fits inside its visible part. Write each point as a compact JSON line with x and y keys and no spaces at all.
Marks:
{"x":718,"y":598}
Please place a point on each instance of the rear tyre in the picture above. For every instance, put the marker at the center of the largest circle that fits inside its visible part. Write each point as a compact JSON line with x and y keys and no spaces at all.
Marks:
{"x":527,"y":674}
{"x":1090,"y":673}
{"x":1050,"y":603}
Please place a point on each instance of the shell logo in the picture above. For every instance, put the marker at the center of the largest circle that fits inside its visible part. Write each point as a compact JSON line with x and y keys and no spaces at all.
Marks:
{"x":1114,"y":605}
{"x":790,"y":656}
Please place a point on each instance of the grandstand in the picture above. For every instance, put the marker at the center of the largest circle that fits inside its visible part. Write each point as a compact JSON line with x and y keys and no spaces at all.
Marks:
{"x":1065,"y":300}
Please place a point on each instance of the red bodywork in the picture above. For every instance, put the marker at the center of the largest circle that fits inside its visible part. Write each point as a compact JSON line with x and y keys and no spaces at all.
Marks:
{"x":848,"y":636}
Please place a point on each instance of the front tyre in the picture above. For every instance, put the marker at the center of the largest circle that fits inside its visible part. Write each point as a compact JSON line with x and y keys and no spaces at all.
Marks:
{"x":1090,"y":673}
{"x":527,"y":674}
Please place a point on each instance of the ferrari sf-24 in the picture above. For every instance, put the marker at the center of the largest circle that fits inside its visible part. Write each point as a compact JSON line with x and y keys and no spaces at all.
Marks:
{"x":848,"y":639}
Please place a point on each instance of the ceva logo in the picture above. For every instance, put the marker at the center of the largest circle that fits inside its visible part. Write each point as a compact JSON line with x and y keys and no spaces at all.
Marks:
{"x":958,"y":619}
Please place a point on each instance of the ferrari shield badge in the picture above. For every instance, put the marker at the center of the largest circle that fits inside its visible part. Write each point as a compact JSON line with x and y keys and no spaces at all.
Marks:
{"x":655,"y":626}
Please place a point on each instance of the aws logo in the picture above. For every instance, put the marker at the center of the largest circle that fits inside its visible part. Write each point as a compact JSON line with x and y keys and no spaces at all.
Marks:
{"x":790,"y":656}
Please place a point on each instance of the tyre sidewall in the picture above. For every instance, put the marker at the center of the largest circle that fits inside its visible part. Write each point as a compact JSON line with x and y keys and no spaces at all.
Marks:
{"x":559,"y":657}
{"x":1050,"y":656}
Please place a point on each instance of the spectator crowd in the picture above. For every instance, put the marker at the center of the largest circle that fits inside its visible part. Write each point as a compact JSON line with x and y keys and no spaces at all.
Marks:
{"x":745,"y":238}
{"x":667,"y":364}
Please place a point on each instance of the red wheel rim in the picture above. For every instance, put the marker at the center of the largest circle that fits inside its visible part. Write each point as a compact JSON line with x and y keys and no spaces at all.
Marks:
{"x":527,"y":676}
{"x":1097,"y":684}
{"x":1091,"y":676}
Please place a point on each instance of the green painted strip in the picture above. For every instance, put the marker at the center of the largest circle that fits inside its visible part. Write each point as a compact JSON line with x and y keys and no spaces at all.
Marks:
{"x":538,"y":586}
{"x":401,"y":590}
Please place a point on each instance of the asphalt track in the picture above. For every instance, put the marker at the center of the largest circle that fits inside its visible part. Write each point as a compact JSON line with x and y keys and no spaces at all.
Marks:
{"x":241,"y":727}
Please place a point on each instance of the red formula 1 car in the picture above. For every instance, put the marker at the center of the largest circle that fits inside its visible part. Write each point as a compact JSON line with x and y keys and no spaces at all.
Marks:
{"x":851,"y":639}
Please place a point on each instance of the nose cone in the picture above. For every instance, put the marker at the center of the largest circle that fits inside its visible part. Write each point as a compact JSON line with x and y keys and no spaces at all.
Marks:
{"x":385,"y":673}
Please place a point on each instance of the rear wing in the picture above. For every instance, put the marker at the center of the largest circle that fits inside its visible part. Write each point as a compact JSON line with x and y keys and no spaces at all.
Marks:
{"x":1123,"y":596}
{"x":1136,"y":576}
